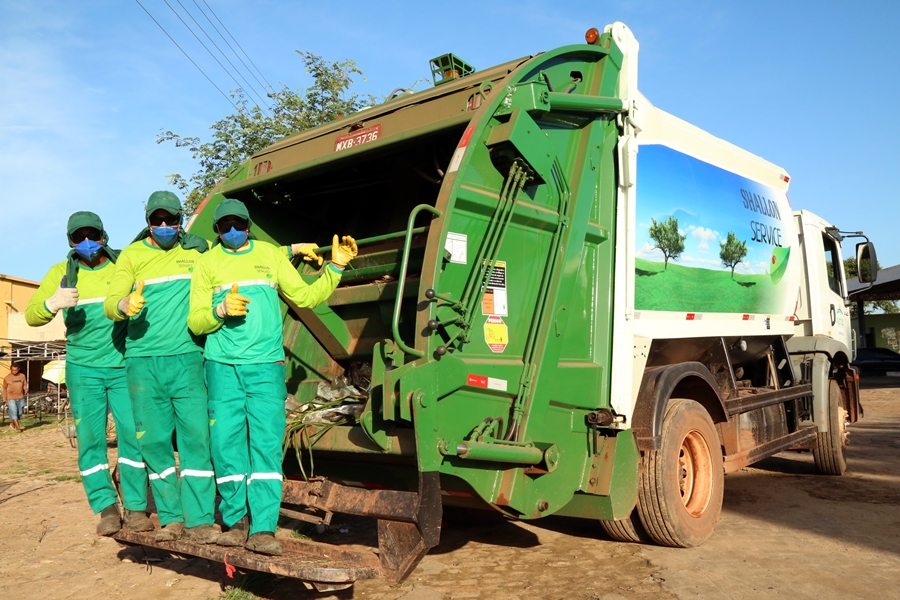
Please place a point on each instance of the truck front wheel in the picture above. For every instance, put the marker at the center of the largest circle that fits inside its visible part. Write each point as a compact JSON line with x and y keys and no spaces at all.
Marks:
{"x":681,"y":484}
{"x":829,"y":451}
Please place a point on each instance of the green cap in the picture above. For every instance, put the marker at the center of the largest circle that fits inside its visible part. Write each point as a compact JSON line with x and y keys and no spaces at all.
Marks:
{"x":83,"y":218}
{"x":164,"y":200}
{"x":230,"y":207}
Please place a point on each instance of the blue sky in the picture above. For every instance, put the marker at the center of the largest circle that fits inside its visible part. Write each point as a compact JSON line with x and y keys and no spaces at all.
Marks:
{"x":85,"y":87}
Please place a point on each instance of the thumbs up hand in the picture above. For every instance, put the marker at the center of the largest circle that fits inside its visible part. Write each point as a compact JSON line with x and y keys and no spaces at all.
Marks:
{"x":132,"y":304}
{"x":65,"y":297}
{"x":233,"y":304}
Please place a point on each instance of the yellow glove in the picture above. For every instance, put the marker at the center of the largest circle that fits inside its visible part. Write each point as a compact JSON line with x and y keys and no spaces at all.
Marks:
{"x":343,"y":251}
{"x":307,"y":251}
{"x":132,"y":304}
{"x":233,"y":305}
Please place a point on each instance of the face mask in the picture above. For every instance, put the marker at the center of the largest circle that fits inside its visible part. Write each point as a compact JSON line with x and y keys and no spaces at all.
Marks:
{"x":164,"y":236}
{"x":234,"y":239}
{"x":88,"y":250}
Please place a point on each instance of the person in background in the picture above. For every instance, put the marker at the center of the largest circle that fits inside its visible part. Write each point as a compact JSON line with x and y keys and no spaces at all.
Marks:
{"x":234,"y":301}
{"x":164,"y":368}
{"x":15,"y":386}
{"x":95,"y":372}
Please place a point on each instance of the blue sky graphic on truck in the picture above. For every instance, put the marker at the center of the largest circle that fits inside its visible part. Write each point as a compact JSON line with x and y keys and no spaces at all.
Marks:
{"x":709,"y":202}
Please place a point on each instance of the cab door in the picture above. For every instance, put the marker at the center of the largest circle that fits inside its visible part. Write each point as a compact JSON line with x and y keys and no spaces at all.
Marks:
{"x":828,"y":305}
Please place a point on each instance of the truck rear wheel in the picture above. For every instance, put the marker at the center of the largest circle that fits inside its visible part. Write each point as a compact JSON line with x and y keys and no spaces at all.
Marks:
{"x":681,"y":485}
{"x":629,"y":529}
{"x":829,"y":451}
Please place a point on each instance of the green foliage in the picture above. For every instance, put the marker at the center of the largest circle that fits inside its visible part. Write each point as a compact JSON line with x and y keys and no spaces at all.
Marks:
{"x":732,"y":251}
{"x":886,"y":306}
{"x":238,"y":136}
{"x":667,"y":239}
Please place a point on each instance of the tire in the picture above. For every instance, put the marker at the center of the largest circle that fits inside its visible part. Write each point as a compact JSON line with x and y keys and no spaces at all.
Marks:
{"x":629,"y":529}
{"x":829,"y":451}
{"x":682,"y":483}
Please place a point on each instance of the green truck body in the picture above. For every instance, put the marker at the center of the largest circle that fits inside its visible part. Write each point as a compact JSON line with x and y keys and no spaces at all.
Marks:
{"x":519,"y":334}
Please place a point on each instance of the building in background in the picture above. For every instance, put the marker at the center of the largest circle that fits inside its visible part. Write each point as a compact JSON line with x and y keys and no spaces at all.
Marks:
{"x":15,"y":294}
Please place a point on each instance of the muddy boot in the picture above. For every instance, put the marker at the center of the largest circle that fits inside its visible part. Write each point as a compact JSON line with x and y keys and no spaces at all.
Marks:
{"x":236,"y":534}
{"x":110,"y":521}
{"x":264,"y":542}
{"x":171,"y":532}
{"x":137,"y":520}
{"x":202,"y":534}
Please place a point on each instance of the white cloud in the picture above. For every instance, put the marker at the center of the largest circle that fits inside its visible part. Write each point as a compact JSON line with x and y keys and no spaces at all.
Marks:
{"x":649,"y":252}
{"x":705,"y":236}
{"x":709,"y":262}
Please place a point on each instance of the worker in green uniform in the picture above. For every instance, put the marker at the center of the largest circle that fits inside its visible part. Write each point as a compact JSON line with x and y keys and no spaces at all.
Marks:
{"x":234,"y":301}
{"x":164,"y":368}
{"x":95,"y":372}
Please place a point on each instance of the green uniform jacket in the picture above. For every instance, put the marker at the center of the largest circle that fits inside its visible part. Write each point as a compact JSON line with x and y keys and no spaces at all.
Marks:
{"x":259,"y":272}
{"x":160,"y":329}
{"x":93,"y":340}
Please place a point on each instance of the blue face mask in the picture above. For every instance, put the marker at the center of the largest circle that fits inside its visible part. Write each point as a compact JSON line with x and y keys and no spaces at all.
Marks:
{"x":88,"y":250}
{"x":164,"y":236}
{"x":234,"y":239}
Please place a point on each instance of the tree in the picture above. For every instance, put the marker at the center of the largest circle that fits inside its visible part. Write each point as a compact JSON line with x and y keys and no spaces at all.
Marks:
{"x":850,"y":271}
{"x":249,"y":130}
{"x":667,"y":239}
{"x":732,"y":251}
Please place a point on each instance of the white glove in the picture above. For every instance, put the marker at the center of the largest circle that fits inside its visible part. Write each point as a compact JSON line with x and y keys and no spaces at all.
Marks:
{"x":65,"y":297}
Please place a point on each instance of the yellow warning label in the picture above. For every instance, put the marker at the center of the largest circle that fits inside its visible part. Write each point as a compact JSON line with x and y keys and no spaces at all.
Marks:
{"x":496,"y":334}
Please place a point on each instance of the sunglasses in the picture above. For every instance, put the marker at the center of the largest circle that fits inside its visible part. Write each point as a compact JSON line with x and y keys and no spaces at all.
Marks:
{"x":82,"y":233}
{"x":157,"y":220}
{"x":225,"y":225}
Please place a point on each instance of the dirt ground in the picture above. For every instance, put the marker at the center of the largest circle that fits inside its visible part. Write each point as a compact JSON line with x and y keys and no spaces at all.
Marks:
{"x":784,"y":533}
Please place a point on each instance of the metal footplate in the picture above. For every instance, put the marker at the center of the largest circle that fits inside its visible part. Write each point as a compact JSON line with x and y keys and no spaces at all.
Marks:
{"x":408,"y":526}
{"x":325,"y":566}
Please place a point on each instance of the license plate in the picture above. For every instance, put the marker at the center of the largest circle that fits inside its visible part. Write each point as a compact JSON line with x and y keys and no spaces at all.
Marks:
{"x":358,"y":137}
{"x":893,"y":373}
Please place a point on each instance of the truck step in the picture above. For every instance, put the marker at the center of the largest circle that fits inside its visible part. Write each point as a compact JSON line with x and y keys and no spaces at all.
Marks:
{"x":325,"y":566}
{"x":804,"y":435}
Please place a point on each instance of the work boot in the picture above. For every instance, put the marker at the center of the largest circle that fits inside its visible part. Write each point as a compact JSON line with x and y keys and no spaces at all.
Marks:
{"x":171,"y":532}
{"x":264,"y":542}
{"x":202,"y":534}
{"x":110,"y":521}
{"x":137,"y":520}
{"x":236,"y":534}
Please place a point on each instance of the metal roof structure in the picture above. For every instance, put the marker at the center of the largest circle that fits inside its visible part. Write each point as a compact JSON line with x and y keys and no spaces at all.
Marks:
{"x":886,"y":286}
{"x":24,"y":350}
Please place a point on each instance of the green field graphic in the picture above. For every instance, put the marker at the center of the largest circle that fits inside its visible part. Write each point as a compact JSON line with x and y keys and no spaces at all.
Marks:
{"x":692,"y":289}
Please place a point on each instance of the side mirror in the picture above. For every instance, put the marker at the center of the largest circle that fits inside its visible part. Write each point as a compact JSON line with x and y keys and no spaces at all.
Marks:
{"x":866,"y":262}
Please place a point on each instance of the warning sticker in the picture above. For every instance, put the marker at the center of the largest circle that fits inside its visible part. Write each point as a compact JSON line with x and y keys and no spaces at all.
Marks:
{"x":456,"y":246}
{"x":460,"y":150}
{"x":496,"y":334}
{"x":491,"y":383}
{"x":494,"y":301}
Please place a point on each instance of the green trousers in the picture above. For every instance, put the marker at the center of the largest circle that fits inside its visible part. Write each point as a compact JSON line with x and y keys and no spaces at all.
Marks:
{"x":246,"y":426}
{"x":92,"y":392}
{"x":169,"y":396}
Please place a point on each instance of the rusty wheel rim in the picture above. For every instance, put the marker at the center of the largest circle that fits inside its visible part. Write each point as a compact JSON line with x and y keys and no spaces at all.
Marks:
{"x":695,"y":473}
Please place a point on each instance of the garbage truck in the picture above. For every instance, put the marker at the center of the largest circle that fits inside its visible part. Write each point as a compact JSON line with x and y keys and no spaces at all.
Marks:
{"x":566,"y":302}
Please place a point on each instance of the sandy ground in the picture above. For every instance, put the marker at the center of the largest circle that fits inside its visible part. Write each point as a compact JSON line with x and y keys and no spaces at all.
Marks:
{"x":785,"y":532}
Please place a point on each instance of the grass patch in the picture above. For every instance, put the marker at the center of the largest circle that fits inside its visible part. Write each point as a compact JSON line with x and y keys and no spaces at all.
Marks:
{"x":42,"y":472}
{"x":66,"y":478}
{"x":246,"y":587}
{"x":692,"y":289}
